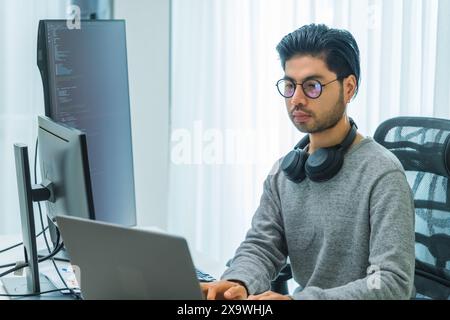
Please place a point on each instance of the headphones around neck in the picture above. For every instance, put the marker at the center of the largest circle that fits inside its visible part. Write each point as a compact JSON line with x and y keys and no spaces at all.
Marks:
{"x":320,"y":166}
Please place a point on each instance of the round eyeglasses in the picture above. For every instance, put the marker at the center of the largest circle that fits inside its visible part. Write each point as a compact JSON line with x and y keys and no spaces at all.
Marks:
{"x":311,"y":88}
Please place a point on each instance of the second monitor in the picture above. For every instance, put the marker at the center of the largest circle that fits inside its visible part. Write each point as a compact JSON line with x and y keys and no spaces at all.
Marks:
{"x":85,"y":80}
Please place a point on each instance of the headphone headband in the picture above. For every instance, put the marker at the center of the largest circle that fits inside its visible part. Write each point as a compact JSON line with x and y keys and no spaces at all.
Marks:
{"x":321,"y":165}
{"x":303,"y":143}
{"x":348,"y":140}
{"x":344,"y":145}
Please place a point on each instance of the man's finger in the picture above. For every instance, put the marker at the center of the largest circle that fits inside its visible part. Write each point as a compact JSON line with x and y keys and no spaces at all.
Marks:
{"x":269,"y":295}
{"x":211,"y":294}
{"x":234,"y":293}
{"x":261,"y":296}
{"x":204,"y":287}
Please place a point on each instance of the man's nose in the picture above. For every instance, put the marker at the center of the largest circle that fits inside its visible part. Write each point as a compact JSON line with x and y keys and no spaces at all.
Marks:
{"x":298,"y":98}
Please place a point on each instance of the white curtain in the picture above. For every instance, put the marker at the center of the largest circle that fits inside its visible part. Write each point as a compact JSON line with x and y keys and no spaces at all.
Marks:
{"x":229,"y":124}
{"x":21,"y":93}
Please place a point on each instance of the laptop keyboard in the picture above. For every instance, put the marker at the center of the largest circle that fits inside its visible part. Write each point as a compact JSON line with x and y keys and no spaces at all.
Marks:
{"x":204,"y":277}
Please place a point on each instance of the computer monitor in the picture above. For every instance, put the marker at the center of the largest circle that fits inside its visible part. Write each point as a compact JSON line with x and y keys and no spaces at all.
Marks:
{"x":63,"y":160}
{"x":85,"y":79}
{"x":65,"y":186}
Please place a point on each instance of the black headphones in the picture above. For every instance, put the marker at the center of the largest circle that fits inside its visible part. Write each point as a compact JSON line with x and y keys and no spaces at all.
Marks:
{"x":322,"y":165}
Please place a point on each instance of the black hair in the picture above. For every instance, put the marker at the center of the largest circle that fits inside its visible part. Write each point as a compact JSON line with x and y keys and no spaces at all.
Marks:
{"x":336,"y":47}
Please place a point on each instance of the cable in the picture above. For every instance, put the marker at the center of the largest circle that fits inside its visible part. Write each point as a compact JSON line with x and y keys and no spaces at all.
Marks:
{"x":7,"y":265}
{"x":35,"y":182}
{"x":21,"y":243}
{"x":72,"y":292}
{"x":13,"y":246}
{"x":32,"y":294}
{"x":25,"y":264}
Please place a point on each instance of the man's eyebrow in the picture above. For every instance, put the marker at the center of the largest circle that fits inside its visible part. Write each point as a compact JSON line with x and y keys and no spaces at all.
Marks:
{"x":313,"y":76}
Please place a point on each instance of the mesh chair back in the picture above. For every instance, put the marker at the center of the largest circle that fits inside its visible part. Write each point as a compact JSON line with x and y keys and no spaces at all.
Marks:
{"x":423,"y":147}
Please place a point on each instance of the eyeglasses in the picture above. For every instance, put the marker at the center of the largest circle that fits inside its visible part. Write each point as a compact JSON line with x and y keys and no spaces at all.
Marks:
{"x":311,"y":88}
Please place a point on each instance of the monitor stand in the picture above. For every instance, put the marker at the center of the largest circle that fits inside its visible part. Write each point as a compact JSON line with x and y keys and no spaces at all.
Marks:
{"x":33,"y":282}
{"x":19,"y":286}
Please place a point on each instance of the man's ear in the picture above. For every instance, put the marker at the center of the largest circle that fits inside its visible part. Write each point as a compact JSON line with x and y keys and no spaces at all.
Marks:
{"x":350,"y":84}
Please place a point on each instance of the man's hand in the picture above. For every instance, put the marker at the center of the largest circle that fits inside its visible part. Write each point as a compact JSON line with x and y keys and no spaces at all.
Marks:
{"x":223,"y":290}
{"x":269,"y":295}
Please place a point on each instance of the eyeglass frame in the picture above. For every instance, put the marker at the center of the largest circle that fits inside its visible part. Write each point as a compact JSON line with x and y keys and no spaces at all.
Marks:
{"x":303,"y":89}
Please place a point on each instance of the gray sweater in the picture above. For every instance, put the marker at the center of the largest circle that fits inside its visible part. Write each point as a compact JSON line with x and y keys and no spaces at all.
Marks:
{"x":351,"y":237}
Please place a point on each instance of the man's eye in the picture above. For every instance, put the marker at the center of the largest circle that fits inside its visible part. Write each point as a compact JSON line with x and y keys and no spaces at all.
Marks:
{"x":289,"y":85}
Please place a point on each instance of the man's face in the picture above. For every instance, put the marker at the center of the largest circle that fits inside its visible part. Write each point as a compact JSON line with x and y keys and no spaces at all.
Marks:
{"x":314,"y":115}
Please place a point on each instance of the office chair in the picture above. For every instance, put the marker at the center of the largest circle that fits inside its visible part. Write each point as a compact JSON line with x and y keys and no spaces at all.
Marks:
{"x":423,"y":147}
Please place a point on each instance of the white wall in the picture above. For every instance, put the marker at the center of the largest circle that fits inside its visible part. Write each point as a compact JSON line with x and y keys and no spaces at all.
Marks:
{"x":148,"y":39}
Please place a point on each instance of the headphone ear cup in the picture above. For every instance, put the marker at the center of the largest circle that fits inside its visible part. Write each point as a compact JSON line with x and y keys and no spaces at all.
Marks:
{"x":293,"y":165}
{"x":324,"y":164}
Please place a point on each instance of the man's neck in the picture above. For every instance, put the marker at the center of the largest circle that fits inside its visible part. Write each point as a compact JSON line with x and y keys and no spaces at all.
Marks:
{"x":331,"y":136}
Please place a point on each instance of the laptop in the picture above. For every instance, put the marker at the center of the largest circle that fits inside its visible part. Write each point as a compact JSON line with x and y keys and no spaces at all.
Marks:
{"x":116,"y":262}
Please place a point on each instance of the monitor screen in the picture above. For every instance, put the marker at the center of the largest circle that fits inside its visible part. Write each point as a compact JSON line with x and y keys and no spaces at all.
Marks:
{"x":85,"y":78}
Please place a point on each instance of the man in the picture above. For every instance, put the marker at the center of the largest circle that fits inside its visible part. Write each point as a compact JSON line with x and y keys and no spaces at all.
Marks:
{"x":349,"y":236}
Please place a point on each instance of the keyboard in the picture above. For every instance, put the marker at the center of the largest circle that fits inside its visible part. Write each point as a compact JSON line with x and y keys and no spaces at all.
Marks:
{"x":204,"y":277}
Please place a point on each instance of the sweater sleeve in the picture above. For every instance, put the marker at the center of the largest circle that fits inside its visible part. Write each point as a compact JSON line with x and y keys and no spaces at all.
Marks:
{"x":392,"y":257}
{"x":263,"y":253}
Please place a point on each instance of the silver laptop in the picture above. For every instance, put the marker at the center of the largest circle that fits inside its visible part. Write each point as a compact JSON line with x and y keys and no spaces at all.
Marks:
{"x":116,"y":262}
